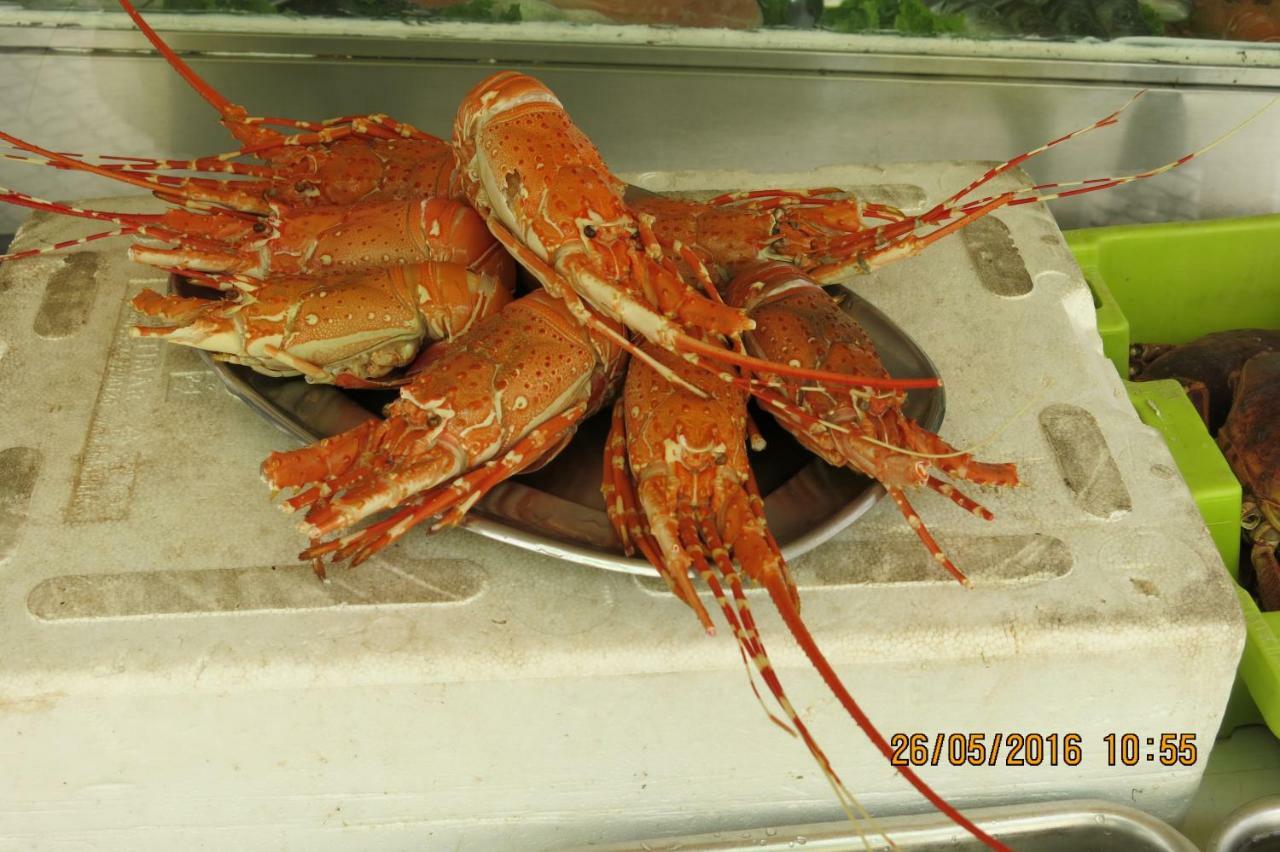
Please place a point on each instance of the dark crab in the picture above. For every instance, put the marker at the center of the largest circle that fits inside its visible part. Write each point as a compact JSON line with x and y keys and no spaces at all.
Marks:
{"x":1204,"y":366}
{"x":1233,"y":379}
{"x":1250,"y":439}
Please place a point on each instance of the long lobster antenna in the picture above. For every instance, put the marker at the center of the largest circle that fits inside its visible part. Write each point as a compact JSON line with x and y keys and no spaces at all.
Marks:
{"x":1066,"y":189}
{"x":62,"y":161}
{"x":781,"y":597}
{"x":1014,"y":162}
{"x":216,"y":100}
{"x":21,"y":199}
{"x":883,"y":244}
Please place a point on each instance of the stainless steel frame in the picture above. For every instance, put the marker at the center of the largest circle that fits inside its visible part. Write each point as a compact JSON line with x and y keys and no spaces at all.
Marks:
{"x":1068,"y":826}
{"x":1253,"y":827}
{"x":686,"y":104}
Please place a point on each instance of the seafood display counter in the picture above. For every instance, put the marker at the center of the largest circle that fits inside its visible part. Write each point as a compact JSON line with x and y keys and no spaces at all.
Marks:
{"x":174,"y":675}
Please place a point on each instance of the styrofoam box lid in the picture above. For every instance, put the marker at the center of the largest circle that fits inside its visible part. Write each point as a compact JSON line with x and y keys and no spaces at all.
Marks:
{"x":170,"y":671}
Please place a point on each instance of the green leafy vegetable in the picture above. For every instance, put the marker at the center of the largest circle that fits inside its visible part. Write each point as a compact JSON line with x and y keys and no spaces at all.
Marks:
{"x":774,"y":12}
{"x":479,"y":10}
{"x":905,"y":16}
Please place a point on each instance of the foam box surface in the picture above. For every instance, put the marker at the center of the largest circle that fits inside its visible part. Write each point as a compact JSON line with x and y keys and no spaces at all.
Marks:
{"x":172,"y":674}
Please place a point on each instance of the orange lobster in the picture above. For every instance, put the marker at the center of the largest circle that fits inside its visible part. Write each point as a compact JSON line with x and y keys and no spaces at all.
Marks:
{"x":503,"y":399}
{"x":551,"y":201}
{"x":301,"y":241}
{"x":339,"y":161}
{"x":678,"y":488}
{"x":350,"y":330}
{"x":864,"y":430}
{"x":350,"y":293}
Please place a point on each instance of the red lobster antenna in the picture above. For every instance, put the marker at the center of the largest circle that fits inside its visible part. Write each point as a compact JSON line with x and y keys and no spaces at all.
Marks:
{"x":215,"y":99}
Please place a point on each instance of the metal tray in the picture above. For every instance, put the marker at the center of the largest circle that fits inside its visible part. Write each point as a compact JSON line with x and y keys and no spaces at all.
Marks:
{"x":558,"y":510}
{"x":1070,"y":826}
{"x":1252,"y":827}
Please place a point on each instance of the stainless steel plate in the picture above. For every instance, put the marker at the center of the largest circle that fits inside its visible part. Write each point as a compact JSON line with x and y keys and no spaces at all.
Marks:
{"x":558,"y":510}
{"x":1252,"y":827}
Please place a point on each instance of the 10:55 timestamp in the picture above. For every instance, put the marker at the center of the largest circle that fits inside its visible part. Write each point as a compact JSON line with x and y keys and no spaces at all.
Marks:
{"x":1168,"y":750}
{"x":1038,"y":749}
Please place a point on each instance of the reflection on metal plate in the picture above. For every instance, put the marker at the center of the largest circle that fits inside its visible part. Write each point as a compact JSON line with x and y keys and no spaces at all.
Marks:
{"x":149,"y":593}
{"x":1085,"y":460}
{"x":558,"y":510}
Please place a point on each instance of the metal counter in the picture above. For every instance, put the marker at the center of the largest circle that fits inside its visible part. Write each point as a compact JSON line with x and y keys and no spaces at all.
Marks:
{"x":666,"y":106}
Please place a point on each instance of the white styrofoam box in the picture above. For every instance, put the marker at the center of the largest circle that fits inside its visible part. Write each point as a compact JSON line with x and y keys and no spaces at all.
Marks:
{"x":170,"y":673}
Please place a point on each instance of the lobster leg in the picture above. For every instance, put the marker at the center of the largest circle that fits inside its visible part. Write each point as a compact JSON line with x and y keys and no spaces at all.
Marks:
{"x":372,"y":126}
{"x":195,"y":192}
{"x":403,"y":481}
{"x":946,"y":489}
{"x":956,"y":463}
{"x":619,"y":498}
{"x":535,"y":449}
{"x":452,"y":500}
{"x":245,"y":202}
{"x":67,"y":244}
{"x":917,"y":526}
{"x":144,"y":224}
{"x":215,"y":163}
{"x":750,"y":647}
{"x":902,"y":243}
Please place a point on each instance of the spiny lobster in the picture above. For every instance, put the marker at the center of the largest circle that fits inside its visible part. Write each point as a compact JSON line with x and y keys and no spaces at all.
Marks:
{"x":349,"y":330}
{"x":353,"y":302}
{"x":679,"y":489}
{"x":503,"y":399}
{"x":857,"y":428}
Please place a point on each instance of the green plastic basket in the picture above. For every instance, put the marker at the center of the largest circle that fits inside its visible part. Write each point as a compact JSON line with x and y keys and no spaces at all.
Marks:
{"x":1173,"y":283}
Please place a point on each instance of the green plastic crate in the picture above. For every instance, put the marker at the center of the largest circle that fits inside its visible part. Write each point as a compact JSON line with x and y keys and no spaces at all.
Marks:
{"x":1172,"y":283}
{"x":1164,"y":406}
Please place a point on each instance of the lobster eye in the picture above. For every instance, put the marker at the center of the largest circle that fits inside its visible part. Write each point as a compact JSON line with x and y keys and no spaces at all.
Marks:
{"x":589,"y":232}
{"x":259,"y":227}
{"x":433,"y":420}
